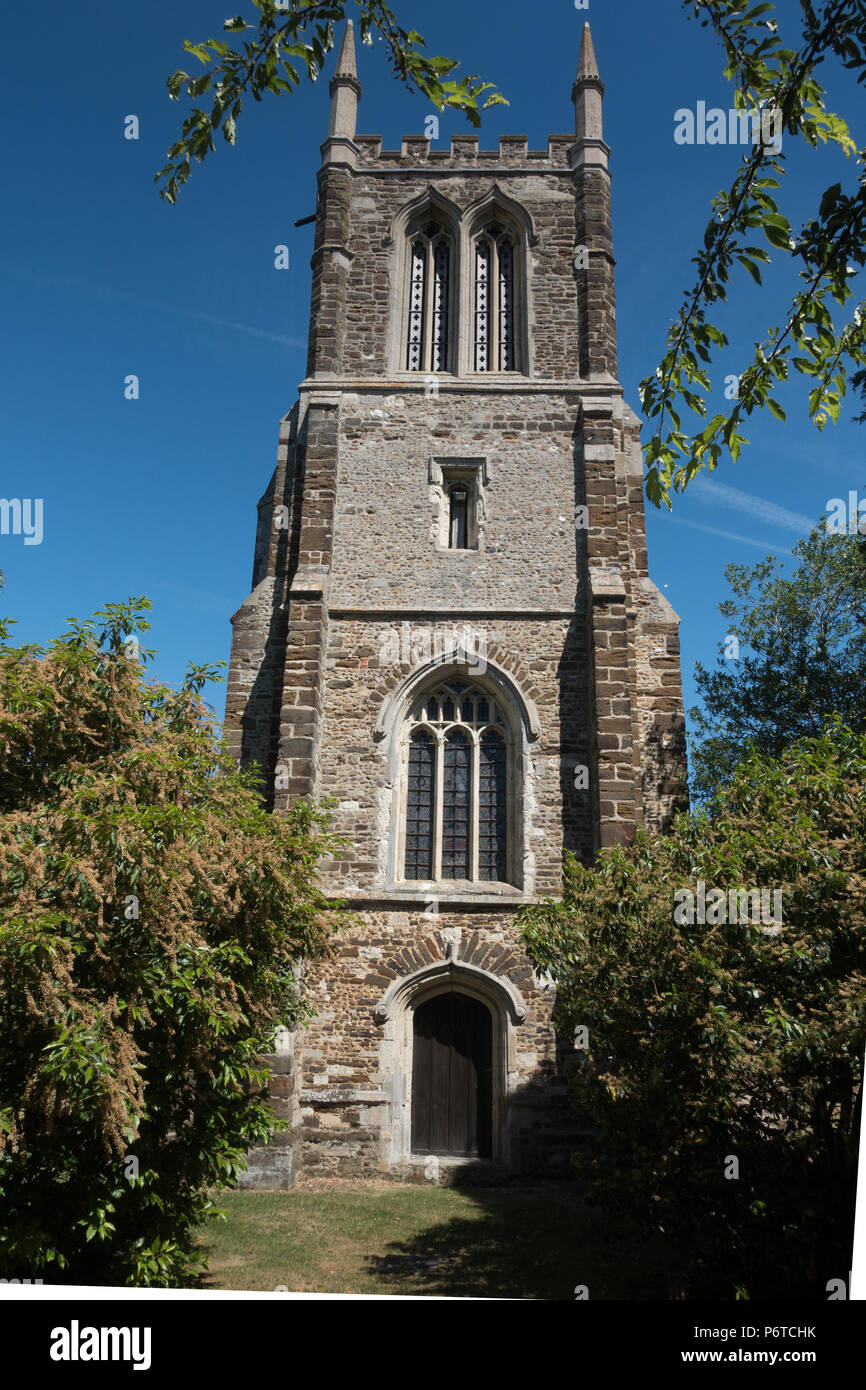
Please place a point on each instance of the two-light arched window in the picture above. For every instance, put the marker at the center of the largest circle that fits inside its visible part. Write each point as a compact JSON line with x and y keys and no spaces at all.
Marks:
{"x":457,"y":793}
{"x":465,"y":297}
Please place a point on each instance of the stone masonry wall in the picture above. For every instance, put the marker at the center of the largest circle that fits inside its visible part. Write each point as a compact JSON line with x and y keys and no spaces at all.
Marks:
{"x":384,"y":548}
{"x":346,"y":1095}
{"x":381,"y":189}
{"x":547,"y":662}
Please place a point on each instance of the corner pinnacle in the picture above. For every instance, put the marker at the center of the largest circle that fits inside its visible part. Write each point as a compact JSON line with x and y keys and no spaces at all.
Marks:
{"x":587,"y":67}
{"x":346,"y":65}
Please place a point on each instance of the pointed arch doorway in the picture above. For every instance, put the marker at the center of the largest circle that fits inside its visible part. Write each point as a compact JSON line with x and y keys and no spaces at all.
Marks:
{"x":452,"y":1077}
{"x":398,"y":1011}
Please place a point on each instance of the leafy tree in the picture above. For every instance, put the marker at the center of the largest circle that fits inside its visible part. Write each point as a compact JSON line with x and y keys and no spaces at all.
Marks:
{"x":151,"y":917}
{"x":727,"y":1039}
{"x":801,"y":657}
{"x":288,"y":40}
{"x":771,"y":72}
{"x":829,"y":248}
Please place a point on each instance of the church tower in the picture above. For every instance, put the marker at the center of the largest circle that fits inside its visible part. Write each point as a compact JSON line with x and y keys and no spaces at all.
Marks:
{"x":452,"y":633}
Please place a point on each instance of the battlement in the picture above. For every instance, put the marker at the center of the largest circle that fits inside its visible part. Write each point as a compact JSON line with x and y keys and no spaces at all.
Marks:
{"x":463,"y":152}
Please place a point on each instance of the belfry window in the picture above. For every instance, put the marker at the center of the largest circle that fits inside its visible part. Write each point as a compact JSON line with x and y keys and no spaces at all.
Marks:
{"x":427,"y":338}
{"x":494,"y":349}
{"x":458,"y":768}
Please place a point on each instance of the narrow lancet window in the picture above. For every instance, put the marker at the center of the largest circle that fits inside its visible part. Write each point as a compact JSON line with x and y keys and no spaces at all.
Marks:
{"x":491,"y":807}
{"x":419,"y":805}
{"x":506,"y":306}
{"x":495,"y":315}
{"x":416,"y":307}
{"x":456,"y":802}
{"x":439,"y":345}
{"x":428,"y":325}
{"x":482,"y":305}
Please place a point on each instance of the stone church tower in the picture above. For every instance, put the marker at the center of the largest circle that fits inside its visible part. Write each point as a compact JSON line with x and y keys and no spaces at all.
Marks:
{"x":452,"y":633}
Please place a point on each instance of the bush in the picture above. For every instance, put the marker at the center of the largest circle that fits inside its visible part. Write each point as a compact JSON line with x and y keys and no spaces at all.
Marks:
{"x":151,"y":917}
{"x":726,"y":1040}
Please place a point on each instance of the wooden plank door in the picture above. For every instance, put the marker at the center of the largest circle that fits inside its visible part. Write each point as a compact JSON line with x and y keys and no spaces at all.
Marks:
{"x":452,"y":1091}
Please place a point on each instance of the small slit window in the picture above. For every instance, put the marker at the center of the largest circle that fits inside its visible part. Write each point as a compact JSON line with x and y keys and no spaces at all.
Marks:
{"x":458,"y":528}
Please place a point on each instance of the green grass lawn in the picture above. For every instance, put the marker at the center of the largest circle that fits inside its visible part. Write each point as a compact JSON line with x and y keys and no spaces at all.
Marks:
{"x":386,"y":1238}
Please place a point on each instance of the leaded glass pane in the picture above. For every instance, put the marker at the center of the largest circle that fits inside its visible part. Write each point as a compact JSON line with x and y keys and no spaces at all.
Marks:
{"x":492,"y":814}
{"x":415,"y":345}
{"x":482,"y":306}
{"x":456,"y":795}
{"x":483,"y":711}
{"x":448,"y":708}
{"x":441,"y":271}
{"x":506,"y":307}
{"x":419,"y":806}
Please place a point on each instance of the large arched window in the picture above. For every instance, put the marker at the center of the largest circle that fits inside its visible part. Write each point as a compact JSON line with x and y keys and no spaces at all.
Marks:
{"x":457,"y":790}
{"x":428,"y":345}
{"x":493,"y":300}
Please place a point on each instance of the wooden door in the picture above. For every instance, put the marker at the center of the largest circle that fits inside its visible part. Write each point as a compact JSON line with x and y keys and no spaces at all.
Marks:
{"x":452,"y":1092}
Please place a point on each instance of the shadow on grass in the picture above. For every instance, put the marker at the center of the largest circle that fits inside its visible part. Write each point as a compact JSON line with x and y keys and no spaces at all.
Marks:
{"x":540,"y":1243}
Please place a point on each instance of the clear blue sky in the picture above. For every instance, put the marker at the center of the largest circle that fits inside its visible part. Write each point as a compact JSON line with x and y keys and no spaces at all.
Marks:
{"x":99,"y":279}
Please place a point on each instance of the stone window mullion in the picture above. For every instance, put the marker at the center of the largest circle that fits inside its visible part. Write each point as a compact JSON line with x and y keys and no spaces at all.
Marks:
{"x":440,"y":304}
{"x":437,"y":807}
{"x":493,"y":315}
{"x":418,"y":281}
{"x":505,"y":305}
{"x":474,"y":819}
{"x":429,"y":293}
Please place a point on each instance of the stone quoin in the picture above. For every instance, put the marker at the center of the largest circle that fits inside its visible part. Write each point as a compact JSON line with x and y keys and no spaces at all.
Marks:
{"x":460,"y":466}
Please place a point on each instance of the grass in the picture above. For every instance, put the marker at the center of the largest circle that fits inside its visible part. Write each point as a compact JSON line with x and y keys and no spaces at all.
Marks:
{"x":385,"y":1238}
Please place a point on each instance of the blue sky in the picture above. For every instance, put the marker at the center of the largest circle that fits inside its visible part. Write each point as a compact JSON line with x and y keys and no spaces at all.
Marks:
{"x":100,"y":279}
